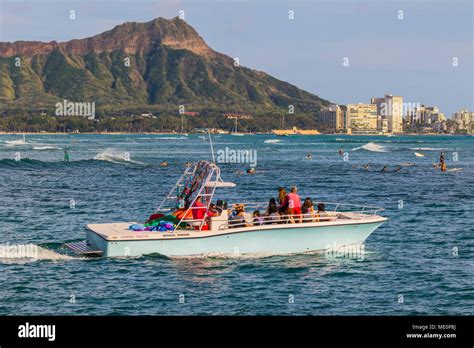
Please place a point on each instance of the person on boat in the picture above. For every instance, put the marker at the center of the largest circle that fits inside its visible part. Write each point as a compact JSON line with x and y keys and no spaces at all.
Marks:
{"x":213,"y":210}
{"x":257,"y":218}
{"x":272,"y":214}
{"x":321,"y":212}
{"x":282,"y":201}
{"x":200,"y":212}
{"x":307,"y":210}
{"x":271,"y":203}
{"x":66,"y":156}
{"x":273,"y":217}
{"x":238,"y":218}
{"x":220,"y":206}
{"x":294,"y":205}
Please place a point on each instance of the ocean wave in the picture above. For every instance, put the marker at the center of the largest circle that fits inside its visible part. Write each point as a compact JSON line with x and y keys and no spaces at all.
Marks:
{"x":12,"y":143}
{"x":116,"y":157}
{"x":272,"y":141}
{"x":427,"y":148}
{"x":44,"y":148}
{"x":170,"y":138}
{"x":372,"y":147}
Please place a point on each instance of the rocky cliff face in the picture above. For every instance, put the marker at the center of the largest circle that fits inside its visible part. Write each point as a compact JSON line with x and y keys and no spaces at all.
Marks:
{"x":169,"y":64}
{"x":128,"y":37}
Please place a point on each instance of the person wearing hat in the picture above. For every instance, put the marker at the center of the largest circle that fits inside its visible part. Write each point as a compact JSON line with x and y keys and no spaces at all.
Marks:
{"x":238,"y":219}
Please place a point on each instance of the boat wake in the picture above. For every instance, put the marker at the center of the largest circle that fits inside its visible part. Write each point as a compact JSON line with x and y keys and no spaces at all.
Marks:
{"x":23,"y":253}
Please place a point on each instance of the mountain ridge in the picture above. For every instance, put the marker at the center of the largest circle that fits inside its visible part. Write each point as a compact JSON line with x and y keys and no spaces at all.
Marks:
{"x":169,"y":64}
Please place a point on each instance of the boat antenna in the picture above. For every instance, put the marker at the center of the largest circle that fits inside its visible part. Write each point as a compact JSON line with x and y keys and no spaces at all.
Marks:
{"x":212,"y":147}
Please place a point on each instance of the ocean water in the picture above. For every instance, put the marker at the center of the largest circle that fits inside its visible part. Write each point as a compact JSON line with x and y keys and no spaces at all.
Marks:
{"x":420,"y":262}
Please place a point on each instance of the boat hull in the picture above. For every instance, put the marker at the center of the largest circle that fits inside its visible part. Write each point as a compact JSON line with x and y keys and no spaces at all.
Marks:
{"x":285,"y":240}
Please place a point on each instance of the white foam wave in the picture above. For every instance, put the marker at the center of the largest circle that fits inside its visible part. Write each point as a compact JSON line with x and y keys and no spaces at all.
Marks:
{"x":43,"y":148}
{"x":427,"y":148}
{"x":115,"y":157}
{"x":217,"y":255}
{"x":170,"y":138}
{"x":272,"y":141}
{"x":11,"y":143}
{"x":373,"y":147}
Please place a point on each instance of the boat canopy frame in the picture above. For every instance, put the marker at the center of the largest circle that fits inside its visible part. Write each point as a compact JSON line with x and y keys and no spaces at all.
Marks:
{"x":199,"y":180}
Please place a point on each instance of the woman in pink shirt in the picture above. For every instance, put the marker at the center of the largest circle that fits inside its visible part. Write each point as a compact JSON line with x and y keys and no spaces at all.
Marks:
{"x":294,"y":205}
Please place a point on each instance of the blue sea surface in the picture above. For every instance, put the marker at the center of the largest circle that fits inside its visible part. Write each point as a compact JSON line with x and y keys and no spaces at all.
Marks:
{"x":418,"y":263}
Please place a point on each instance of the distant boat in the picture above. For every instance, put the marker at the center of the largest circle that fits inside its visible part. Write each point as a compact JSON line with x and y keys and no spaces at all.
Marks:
{"x":16,"y":142}
{"x":234,"y":130}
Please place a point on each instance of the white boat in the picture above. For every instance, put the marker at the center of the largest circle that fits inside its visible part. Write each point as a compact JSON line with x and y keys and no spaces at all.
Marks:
{"x":234,"y":130}
{"x":340,"y":226}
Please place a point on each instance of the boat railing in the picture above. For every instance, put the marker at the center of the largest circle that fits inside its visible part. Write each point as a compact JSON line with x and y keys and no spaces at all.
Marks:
{"x":329,"y":207}
{"x":332,"y":212}
{"x":280,"y":219}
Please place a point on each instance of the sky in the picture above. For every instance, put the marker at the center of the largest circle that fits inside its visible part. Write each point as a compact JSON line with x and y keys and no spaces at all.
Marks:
{"x":424,"y":53}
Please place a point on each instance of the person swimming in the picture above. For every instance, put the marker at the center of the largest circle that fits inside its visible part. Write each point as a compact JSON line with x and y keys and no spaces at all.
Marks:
{"x":66,"y":156}
{"x":250,"y":171}
{"x":164,"y":164}
{"x":341,"y":152}
{"x":309,"y":156}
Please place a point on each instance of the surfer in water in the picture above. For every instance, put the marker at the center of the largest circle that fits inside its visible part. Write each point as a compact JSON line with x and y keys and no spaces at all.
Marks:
{"x":66,"y":156}
{"x":442,"y":162}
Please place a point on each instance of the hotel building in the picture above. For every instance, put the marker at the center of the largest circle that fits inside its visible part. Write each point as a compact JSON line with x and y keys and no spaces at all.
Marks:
{"x":362,"y":118}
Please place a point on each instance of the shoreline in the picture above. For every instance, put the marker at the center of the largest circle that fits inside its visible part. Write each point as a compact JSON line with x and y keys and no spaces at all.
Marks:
{"x":171,"y":133}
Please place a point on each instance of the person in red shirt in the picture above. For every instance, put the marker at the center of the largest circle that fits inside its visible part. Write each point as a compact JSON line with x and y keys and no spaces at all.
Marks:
{"x":200,"y":211}
{"x":294,"y":205}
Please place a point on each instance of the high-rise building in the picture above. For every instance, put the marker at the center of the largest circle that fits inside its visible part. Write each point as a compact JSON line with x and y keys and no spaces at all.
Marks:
{"x":362,"y":118}
{"x":330,"y":119}
{"x":464,"y":120}
{"x":390,"y":108}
